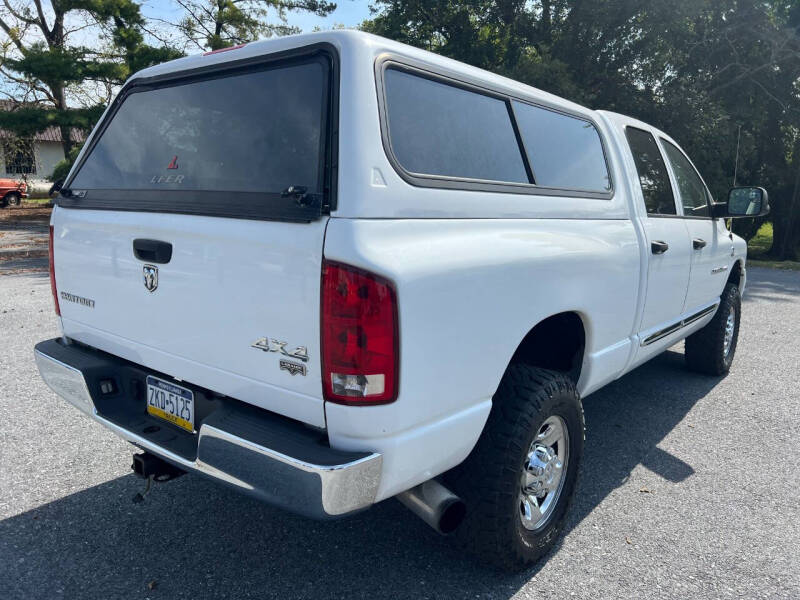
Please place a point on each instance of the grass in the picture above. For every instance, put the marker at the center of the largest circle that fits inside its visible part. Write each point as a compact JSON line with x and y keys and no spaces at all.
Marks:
{"x":757,"y":249}
{"x":761,"y":241}
{"x":783,"y":265}
{"x":36,"y":201}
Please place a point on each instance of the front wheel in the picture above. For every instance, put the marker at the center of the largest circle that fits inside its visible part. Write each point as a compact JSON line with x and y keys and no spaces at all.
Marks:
{"x":520,"y":478}
{"x":711,"y":349}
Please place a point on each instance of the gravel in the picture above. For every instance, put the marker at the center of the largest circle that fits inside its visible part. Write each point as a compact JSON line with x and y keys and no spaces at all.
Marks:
{"x":690,"y":487}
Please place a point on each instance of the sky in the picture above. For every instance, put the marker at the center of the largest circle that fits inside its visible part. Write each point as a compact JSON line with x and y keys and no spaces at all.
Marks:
{"x":348,"y":13}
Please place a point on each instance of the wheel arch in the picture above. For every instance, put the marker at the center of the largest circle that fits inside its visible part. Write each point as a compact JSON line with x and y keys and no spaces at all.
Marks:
{"x":737,"y":274}
{"x":557,"y":342}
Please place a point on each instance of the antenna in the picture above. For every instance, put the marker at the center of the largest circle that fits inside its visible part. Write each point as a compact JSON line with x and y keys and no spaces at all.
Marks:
{"x":736,"y":165}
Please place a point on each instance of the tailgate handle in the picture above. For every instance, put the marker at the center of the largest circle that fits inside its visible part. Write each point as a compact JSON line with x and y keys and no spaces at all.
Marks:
{"x":153,"y":251}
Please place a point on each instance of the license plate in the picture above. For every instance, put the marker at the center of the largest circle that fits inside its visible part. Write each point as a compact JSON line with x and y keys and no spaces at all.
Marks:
{"x":170,"y":402}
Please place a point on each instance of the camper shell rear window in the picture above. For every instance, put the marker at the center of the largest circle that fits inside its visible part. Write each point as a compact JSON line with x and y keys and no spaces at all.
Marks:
{"x":243,"y":140}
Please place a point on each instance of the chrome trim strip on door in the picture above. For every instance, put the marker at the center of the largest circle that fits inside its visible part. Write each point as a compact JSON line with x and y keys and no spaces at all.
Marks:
{"x":662,"y":333}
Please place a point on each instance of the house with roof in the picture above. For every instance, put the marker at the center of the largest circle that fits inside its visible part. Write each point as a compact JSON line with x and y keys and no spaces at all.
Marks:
{"x":34,"y":157}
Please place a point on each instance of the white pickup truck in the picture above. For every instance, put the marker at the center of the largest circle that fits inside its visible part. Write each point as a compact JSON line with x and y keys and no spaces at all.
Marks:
{"x":331,"y":269}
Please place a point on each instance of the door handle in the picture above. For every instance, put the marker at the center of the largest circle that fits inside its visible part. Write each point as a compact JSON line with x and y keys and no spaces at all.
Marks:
{"x":659,"y":247}
{"x":698,"y":243}
{"x":153,"y":251}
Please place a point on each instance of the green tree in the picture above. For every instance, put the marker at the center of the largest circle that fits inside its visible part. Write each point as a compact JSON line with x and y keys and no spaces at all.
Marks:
{"x":216,"y":24}
{"x":699,"y":69}
{"x":63,"y":166}
{"x":41,"y":66}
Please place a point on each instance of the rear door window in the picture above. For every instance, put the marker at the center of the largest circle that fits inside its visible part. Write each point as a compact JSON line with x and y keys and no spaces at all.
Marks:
{"x":257,"y":132}
{"x":439,"y":129}
{"x":564,"y":151}
{"x":653,"y":176}
{"x":691,"y":188}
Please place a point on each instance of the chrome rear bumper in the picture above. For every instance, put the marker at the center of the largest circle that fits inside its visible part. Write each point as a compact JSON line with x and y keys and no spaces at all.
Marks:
{"x":232,"y":447}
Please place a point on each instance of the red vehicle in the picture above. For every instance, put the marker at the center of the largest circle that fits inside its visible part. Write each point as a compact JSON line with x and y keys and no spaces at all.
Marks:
{"x":12,"y":191}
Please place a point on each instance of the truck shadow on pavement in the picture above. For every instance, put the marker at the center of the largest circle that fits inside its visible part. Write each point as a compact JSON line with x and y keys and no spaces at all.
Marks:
{"x":193,"y":539}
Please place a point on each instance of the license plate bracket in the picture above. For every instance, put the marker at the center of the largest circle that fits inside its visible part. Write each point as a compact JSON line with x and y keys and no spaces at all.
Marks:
{"x":170,"y":402}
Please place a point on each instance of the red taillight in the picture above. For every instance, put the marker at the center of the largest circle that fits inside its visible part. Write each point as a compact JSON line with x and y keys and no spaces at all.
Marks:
{"x":359,"y":336}
{"x":53,"y":274}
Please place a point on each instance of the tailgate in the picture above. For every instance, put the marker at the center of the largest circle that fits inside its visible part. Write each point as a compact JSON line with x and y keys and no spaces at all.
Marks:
{"x":228,"y":284}
{"x":189,"y":236}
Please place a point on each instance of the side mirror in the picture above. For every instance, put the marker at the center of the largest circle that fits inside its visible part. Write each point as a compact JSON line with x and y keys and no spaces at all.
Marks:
{"x":744,"y":202}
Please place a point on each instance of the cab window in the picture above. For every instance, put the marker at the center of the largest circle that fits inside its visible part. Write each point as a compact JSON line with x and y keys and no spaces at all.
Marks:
{"x":653,"y":177}
{"x":691,"y":189}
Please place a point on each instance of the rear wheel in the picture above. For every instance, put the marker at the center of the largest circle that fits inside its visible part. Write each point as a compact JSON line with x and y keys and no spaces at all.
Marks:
{"x":711,"y":349}
{"x":520,"y":478}
{"x":13,"y":199}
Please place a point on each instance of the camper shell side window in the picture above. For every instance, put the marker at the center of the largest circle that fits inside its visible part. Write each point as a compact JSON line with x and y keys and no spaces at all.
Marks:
{"x":443,"y":131}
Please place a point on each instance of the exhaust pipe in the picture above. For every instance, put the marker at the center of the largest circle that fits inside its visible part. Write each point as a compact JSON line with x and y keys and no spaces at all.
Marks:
{"x":436,"y":505}
{"x":148,"y":465}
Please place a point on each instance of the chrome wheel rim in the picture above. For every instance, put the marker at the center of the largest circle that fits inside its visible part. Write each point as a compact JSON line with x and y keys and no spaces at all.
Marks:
{"x":730,"y":324}
{"x":543,"y":473}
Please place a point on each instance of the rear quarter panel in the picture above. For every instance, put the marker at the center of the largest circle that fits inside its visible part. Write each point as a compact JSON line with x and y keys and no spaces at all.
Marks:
{"x":474,"y":272}
{"x":468,"y":292}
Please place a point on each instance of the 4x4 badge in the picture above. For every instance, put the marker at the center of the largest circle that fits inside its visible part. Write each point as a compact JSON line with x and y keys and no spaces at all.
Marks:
{"x":273,"y":345}
{"x":150,"y":273}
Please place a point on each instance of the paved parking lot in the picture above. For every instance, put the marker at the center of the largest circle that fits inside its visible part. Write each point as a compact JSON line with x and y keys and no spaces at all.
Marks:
{"x":690,"y":488}
{"x":23,"y":238}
